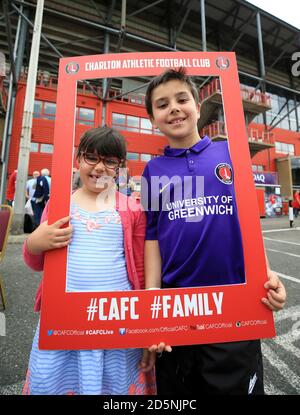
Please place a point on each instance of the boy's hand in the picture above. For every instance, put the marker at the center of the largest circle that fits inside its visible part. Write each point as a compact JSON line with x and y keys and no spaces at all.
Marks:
{"x":148,"y":360}
{"x":159,"y":348}
{"x":47,"y":237}
{"x":276,"y":292}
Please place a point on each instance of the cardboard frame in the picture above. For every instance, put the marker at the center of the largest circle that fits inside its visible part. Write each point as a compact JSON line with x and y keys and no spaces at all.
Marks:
{"x":72,"y":320}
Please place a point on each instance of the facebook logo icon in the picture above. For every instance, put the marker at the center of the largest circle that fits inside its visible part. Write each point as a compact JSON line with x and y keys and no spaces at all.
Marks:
{"x":122,"y":331}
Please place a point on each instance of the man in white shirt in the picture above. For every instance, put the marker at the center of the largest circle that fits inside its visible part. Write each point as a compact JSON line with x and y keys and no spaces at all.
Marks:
{"x":31,"y":184}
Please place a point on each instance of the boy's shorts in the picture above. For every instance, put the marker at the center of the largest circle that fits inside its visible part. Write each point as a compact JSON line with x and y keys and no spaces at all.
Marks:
{"x":211,"y":369}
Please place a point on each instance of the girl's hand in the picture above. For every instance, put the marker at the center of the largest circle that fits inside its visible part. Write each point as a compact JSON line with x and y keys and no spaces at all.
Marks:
{"x":159,"y":348}
{"x":148,"y":360}
{"x":276,"y":292}
{"x":47,"y":237}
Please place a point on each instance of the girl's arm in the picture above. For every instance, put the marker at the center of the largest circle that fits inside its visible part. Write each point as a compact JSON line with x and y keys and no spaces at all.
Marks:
{"x":35,"y":262}
{"x":153,"y":280}
{"x":47,"y":237}
{"x":44,"y":238}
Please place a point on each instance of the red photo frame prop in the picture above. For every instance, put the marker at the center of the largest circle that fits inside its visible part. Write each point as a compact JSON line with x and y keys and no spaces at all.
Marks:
{"x":90,"y":320}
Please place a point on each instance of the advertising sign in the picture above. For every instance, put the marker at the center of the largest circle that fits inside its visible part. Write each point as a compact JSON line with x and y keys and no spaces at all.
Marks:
{"x":265,"y":178}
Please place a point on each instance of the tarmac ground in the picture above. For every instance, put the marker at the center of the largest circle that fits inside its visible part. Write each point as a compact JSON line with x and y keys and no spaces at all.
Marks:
{"x":281,"y":354}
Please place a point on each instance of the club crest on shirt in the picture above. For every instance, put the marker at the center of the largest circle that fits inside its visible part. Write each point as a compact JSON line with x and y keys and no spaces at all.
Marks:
{"x":223,"y":171}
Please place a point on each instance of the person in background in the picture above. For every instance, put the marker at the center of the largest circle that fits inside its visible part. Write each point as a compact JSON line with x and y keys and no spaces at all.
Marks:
{"x":11,"y":188}
{"x":46,"y":173}
{"x":123,"y":181}
{"x":40,"y":196}
{"x":31,"y":185}
{"x":296,"y":203}
{"x":29,"y":221}
{"x":76,"y":182}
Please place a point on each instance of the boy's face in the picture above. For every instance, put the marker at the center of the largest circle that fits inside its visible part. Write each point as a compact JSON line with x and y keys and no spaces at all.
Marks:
{"x":175,"y":112}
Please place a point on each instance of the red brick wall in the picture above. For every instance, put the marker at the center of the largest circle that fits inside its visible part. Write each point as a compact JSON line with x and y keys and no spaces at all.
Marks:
{"x":267,"y":158}
{"x":43,"y":132}
{"x":42,"y":129}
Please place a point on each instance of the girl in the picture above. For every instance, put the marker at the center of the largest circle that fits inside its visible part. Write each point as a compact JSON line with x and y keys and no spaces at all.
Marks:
{"x":106,"y":253}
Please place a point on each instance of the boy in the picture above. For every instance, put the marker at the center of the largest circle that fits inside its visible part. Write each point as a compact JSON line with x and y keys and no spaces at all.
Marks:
{"x":186,"y":248}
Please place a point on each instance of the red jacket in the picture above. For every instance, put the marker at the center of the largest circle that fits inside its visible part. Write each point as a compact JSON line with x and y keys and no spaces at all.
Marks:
{"x":296,"y":201}
{"x":133,"y":220}
{"x":11,"y":186}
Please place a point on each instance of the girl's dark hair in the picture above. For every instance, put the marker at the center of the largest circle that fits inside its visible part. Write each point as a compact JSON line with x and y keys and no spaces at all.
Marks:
{"x":103,"y":140}
{"x":169,"y":75}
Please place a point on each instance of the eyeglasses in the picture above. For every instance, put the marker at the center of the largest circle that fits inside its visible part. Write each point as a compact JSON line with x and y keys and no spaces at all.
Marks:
{"x":93,"y":159}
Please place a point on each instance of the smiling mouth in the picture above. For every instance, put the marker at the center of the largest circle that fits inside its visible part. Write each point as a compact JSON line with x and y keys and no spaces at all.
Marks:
{"x":95,"y":177}
{"x":177,"y":121}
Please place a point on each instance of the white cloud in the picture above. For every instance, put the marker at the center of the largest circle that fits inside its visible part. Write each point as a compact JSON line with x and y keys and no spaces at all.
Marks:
{"x":287,"y":10}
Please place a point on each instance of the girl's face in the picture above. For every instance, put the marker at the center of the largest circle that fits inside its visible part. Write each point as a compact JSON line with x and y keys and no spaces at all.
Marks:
{"x":175,"y":112}
{"x":97,"y":173}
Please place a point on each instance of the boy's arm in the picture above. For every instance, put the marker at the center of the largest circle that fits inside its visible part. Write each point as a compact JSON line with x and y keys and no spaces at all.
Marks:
{"x":152,"y":252}
{"x":276,"y":295}
{"x":152,"y":264}
{"x":153,"y":280}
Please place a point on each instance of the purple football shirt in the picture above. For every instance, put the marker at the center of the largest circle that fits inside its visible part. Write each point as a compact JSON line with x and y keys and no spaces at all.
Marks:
{"x":189,"y":198}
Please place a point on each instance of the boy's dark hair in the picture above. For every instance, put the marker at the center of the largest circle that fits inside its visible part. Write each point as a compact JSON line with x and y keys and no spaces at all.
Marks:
{"x":105,"y":141}
{"x":169,"y":75}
